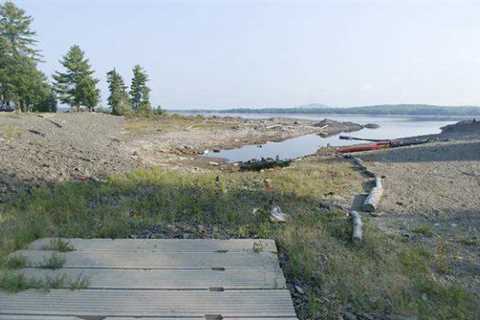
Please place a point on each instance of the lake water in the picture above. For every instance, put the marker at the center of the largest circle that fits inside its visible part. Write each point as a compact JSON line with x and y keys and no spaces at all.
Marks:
{"x":391,"y":127}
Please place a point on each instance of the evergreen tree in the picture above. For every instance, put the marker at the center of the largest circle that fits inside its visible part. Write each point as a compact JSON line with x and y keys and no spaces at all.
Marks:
{"x":118,"y":99}
{"x":15,"y":29}
{"x":30,"y":85}
{"x":139,"y":92}
{"x":77,"y":86}
{"x":21,"y":83}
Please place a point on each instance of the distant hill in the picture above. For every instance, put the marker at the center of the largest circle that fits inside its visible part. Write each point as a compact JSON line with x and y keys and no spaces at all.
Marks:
{"x":314,"y":105}
{"x":398,"y":109}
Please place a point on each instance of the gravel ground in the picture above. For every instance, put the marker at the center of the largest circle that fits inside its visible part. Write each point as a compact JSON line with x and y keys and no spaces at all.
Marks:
{"x":432,"y":197}
{"x":438,"y":178}
{"x":54,"y":147}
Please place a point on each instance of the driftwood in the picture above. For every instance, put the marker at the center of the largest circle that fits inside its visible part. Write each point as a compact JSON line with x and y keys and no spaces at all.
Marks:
{"x":58,"y":125}
{"x":37,"y":132}
{"x":357,"y":232}
{"x":264,"y":163}
{"x":274,"y":126}
{"x":361,"y":165}
{"x":373,"y":199}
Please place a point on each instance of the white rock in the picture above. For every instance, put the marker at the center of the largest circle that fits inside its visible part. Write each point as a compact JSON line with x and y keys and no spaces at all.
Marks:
{"x":276,"y":215}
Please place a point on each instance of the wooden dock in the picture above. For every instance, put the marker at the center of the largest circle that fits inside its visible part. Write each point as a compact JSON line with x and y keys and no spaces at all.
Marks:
{"x":154,"y":279}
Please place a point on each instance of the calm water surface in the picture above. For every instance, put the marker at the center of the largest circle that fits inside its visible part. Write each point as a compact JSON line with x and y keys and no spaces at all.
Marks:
{"x":390,"y":128}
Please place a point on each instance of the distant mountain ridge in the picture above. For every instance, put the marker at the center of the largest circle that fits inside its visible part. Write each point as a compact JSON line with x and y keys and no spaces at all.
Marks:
{"x":387,"y":109}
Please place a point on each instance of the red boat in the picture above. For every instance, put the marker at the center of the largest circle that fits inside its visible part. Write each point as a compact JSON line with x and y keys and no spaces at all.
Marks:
{"x":363,"y":147}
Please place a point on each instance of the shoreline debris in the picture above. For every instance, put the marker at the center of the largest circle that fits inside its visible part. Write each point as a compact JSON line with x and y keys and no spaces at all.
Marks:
{"x":357,"y":225}
{"x":377,"y":144}
{"x":263,"y":163}
{"x":374,"y":197}
{"x":277,"y":215}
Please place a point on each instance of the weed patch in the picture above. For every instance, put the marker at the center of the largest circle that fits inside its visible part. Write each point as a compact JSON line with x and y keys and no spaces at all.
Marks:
{"x":54,"y":261}
{"x":424,"y":230}
{"x":11,"y":281}
{"x":59,"y":245}
{"x":16,"y":262}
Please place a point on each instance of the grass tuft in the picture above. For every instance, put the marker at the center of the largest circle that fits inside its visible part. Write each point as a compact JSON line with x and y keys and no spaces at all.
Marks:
{"x":11,"y":281}
{"x":55,"y":261}
{"x":59,"y":245}
{"x":424,"y":230}
{"x":81,"y":282}
{"x":16,"y":262}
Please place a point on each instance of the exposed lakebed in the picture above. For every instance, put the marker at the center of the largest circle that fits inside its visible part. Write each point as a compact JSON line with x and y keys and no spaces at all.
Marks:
{"x":390,"y":128}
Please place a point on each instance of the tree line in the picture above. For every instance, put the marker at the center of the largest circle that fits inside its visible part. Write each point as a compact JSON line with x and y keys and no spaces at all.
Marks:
{"x":23,"y":87}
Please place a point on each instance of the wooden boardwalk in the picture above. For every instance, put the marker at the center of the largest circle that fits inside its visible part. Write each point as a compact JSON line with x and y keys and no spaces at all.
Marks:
{"x":156,"y":280}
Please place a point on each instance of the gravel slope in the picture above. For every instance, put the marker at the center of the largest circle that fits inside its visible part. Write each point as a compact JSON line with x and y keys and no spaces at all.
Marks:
{"x":55,"y":147}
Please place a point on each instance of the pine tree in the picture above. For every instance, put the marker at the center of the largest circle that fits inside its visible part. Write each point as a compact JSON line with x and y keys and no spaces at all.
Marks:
{"x":118,"y":99}
{"x":139,"y":92}
{"x":21,"y":83}
{"x":15,"y":29}
{"x":77,"y":86}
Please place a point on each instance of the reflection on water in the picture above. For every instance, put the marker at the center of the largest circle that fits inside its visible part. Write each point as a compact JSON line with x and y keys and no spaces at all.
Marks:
{"x":390,"y":128}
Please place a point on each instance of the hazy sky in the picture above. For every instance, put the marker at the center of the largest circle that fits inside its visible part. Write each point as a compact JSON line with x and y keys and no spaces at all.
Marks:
{"x":274,"y":53}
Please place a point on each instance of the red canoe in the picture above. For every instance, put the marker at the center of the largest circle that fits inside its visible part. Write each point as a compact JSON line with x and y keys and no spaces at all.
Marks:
{"x":363,"y":147}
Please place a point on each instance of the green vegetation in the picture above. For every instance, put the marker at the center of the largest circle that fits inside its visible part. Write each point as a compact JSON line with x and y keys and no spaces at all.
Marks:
{"x":77,"y":87}
{"x":22,"y":85}
{"x":474,"y":241}
{"x":118,"y":99}
{"x":16,"y":262}
{"x":139,"y":92}
{"x":54,"y":261}
{"x":12,"y":281}
{"x":383,"y":275}
{"x":135,"y":104}
{"x":59,"y":245}
{"x":424,"y":230}
{"x":81,"y":282}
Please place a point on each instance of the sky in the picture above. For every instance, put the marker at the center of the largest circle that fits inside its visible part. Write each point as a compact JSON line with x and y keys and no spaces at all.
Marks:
{"x":246,"y":53}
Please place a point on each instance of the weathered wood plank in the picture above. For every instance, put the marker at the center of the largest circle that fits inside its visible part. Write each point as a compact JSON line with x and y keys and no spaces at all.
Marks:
{"x":164,"y":279}
{"x":164,"y":245}
{"x":149,"y":303}
{"x":153,"y":260}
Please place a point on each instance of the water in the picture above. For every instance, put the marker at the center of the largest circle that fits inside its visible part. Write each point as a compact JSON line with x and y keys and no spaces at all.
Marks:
{"x":391,"y":127}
